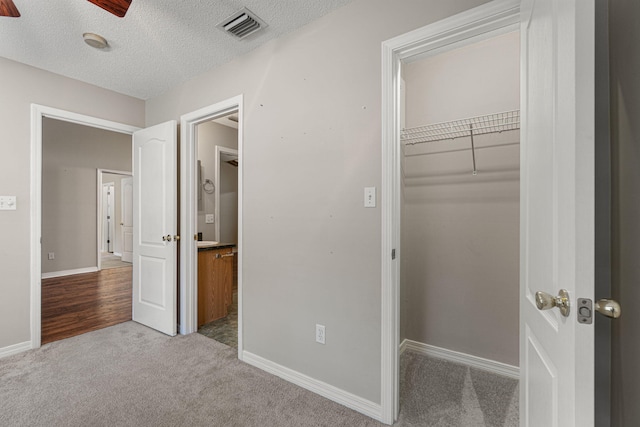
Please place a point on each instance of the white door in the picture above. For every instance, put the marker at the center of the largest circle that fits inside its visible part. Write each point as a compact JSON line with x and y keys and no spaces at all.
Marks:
{"x":126,"y":226}
{"x":154,"y":227}
{"x":557,"y":211}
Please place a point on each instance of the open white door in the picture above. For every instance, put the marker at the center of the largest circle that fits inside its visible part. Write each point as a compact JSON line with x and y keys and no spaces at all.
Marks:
{"x":557,"y":211}
{"x":154,"y":227}
{"x":126,"y":226}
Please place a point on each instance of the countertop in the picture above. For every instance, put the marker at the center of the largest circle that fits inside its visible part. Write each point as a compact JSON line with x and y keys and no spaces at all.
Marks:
{"x":211,"y":246}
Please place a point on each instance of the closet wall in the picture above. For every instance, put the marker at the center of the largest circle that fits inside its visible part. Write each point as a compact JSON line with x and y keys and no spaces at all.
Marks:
{"x":460,"y":232}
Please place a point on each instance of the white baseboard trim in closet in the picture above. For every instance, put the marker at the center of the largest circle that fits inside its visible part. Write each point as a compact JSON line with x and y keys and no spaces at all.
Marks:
{"x":462,"y":358}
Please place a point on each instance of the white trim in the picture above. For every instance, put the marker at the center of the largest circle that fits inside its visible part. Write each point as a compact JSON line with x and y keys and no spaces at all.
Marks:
{"x":189,"y":212}
{"x":219,"y":149}
{"x":118,"y":254}
{"x":335,"y":394}
{"x":489,"y":19}
{"x":35,"y":271}
{"x":62,"y":273}
{"x":15,"y":349}
{"x":488,"y":365}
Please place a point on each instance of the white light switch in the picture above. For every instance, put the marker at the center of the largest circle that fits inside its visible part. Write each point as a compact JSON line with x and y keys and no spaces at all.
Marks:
{"x":370,"y":197}
{"x":208,"y":219}
{"x":7,"y":203}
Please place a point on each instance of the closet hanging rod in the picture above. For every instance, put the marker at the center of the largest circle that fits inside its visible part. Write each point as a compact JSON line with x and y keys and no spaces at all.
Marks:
{"x":479,"y":125}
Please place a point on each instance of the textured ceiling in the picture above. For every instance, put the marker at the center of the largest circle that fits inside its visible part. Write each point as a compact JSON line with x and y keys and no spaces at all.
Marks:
{"x":158,"y":44}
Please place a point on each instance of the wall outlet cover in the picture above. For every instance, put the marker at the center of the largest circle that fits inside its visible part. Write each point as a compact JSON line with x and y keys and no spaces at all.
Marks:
{"x":8,"y":203}
{"x":208,"y":218}
{"x":320,"y":335}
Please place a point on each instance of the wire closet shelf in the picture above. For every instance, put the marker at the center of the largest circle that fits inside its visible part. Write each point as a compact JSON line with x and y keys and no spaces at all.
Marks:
{"x":490,"y":123}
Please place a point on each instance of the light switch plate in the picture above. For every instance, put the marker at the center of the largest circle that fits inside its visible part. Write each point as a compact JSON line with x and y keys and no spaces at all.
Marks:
{"x":208,"y":219}
{"x":370,"y":197}
{"x":8,"y":203}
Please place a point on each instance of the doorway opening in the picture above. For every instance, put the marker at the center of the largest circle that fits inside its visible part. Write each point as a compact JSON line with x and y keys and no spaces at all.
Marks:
{"x":194,"y":179}
{"x":67,"y":150}
{"x":460,"y":198}
{"x":115,"y":219}
{"x":218,"y":162}
{"x":476,"y":25}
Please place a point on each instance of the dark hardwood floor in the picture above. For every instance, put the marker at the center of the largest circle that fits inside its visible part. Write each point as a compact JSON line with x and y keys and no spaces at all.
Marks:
{"x":73,"y":305}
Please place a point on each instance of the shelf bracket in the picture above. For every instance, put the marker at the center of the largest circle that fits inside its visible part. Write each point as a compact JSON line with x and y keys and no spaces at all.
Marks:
{"x":473,"y":150}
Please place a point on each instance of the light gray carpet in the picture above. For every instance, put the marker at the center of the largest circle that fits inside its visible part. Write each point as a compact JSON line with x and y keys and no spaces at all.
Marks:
{"x":129,"y":375}
{"x":436,"y":392}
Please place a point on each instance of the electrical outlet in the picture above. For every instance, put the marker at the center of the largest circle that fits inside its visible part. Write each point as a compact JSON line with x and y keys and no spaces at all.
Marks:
{"x":208,"y":219}
{"x":52,"y":255}
{"x":320,"y":334}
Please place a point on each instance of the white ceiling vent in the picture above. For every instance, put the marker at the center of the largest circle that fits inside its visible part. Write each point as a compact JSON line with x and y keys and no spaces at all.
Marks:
{"x":242,"y":23}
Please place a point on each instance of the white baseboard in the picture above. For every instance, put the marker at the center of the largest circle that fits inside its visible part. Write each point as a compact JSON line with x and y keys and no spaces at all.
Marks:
{"x":118,"y":254}
{"x":15,"y":349}
{"x":462,"y":358}
{"x":69,"y":272}
{"x":364,"y":406}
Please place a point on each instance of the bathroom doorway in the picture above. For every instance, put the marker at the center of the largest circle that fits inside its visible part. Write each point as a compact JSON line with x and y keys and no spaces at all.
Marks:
{"x":193,"y":180}
{"x":218,"y":162}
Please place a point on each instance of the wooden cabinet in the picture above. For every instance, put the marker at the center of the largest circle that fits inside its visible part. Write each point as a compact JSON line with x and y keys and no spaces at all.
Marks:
{"x":215,"y":283}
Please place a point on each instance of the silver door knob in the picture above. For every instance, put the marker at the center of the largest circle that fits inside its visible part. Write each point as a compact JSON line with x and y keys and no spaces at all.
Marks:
{"x":609,"y":308}
{"x":166,"y":238}
{"x":545,"y":301}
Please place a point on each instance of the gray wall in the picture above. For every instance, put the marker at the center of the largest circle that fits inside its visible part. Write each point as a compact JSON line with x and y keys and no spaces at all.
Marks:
{"x":460,"y":233}
{"x":625,"y":142}
{"x":71,"y":154}
{"x":228,"y":203}
{"x":30,"y":85}
{"x":312,"y":143}
{"x":211,"y":134}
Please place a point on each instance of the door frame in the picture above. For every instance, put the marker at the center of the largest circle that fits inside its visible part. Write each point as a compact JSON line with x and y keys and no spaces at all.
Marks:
{"x":485,"y":21}
{"x":218,"y":156}
{"x":99,"y":205}
{"x":189,"y":211}
{"x":38,"y":112}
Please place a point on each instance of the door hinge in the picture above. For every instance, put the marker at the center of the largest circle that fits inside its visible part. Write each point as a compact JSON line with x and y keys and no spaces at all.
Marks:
{"x":393,"y":254}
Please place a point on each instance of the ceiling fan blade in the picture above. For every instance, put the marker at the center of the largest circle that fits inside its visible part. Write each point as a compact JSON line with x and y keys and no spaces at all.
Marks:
{"x":7,"y":8}
{"x":117,"y":7}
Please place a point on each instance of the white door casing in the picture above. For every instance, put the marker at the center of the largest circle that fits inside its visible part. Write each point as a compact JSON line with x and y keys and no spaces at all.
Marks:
{"x":126,"y":228}
{"x":557,"y":210}
{"x":155,"y":227}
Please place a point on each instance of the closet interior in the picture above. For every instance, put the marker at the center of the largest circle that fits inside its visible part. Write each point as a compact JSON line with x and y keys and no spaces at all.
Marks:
{"x":460,"y":122}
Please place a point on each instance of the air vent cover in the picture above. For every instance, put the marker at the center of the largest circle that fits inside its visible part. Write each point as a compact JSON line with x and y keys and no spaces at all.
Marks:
{"x":242,"y":23}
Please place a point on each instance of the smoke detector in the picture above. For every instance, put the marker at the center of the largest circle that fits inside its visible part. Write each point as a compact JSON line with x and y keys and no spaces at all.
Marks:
{"x":242,"y":23}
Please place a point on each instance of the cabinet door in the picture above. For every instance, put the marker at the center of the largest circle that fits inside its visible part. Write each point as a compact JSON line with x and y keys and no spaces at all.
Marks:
{"x":215,"y":284}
